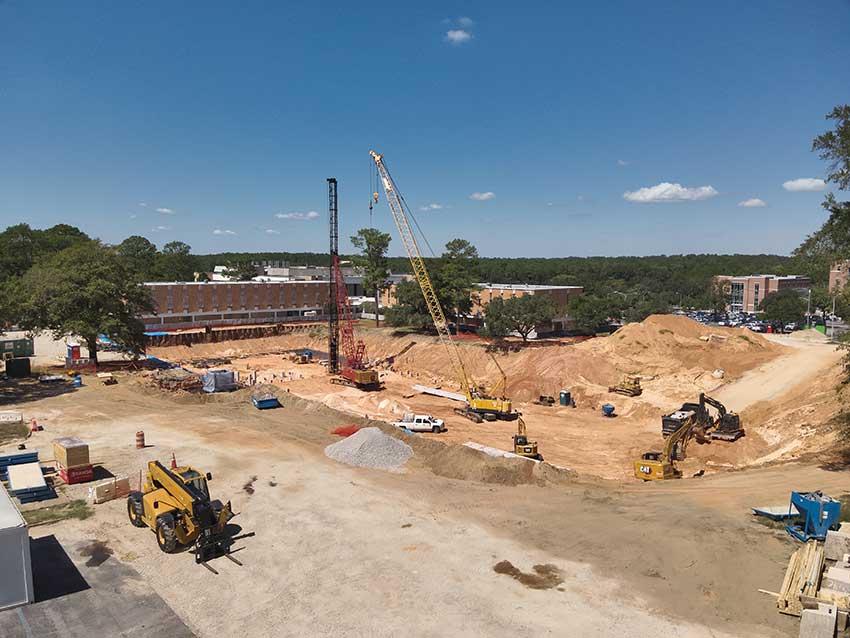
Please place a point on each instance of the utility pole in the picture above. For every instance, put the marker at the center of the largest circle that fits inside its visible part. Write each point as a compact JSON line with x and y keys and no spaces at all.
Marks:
{"x":333,"y":314}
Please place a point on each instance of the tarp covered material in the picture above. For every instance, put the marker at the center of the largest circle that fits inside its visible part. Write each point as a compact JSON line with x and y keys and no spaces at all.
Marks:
{"x":219,"y":381}
{"x":16,"y":584}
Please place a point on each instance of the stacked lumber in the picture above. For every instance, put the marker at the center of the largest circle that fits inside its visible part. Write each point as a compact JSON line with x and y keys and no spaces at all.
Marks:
{"x":802,"y":578}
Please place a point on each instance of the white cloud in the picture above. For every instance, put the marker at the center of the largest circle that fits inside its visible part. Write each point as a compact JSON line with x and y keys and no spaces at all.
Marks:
{"x":465,"y":21}
{"x":272,"y":231}
{"x":133,"y":215}
{"x":753,"y":202}
{"x":143,"y":204}
{"x":622,"y":163}
{"x":219,"y":231}
{"x":432,"y":206}
{"x":165,"y":211}
{"x":483,"y":197}
{"x":804,"y":184}
{"x":158,"y":229}
{"x":458,"y":36}
{"x":667,"y":192}
{"x":297,"y":215}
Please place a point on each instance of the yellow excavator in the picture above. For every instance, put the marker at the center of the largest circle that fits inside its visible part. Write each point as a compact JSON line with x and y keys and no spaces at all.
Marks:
{"x":659,"y":466}
{"x":522,"y":446}
{"x":176,"y":505}
{"x":480,"y":404}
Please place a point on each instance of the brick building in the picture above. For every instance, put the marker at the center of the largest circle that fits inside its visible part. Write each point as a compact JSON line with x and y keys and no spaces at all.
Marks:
{"x":746,"y":292}
{"x":839,"y":275}
{"x":213,"y":303}
{"x":561,"y":295}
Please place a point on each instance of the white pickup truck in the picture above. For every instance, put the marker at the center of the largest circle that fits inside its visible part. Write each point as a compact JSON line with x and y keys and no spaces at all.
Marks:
{"x":421,"y":423}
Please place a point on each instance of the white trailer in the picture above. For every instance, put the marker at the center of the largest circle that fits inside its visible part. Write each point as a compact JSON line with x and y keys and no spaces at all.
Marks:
{"x":16,"y":581}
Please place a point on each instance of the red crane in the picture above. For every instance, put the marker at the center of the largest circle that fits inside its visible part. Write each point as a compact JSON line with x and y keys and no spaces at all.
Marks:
{"x":353,"y":349}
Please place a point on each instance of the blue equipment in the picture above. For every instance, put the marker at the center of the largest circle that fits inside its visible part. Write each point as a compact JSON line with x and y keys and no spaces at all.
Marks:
{"x":608,"y":410}
{"x":818,"y":514}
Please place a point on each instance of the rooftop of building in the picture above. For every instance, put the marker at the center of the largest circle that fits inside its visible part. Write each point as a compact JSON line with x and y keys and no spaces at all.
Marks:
{"x":525,"y":287}
{"x":232,"y":283}
{"x":764,"y":276}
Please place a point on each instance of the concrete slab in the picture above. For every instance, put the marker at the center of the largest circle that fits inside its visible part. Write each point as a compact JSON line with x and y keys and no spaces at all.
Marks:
{"x":88,"y":592}
{"x":838,"y":574}
{"x":836,"y":545}
{"x":819,"y":623}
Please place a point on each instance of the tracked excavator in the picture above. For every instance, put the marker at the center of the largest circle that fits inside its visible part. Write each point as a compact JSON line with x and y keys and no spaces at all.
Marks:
{"x":659,"y":466}
{"x":481,"y":404}
{"x":175,"y":504}
{"x":522,"y":446}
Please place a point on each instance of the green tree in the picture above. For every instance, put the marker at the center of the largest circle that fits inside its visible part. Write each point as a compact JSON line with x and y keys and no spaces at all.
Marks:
{"x":410,"y":309}
{"x":518,"y":314}
{"x":784,"y":306}
{"x":589,"y":313}
{"x":85,"y":290}
{"x":175,"y":262}
{"x":456,"y":276}
{"x":834,"y":147}
{"x":139,"y":255}
{"x":373,"y":244}
{"x":241,"y":271}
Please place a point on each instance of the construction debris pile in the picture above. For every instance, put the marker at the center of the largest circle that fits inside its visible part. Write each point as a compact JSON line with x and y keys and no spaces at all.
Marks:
{"x":370,"y":447}
{"x":176,"y":379}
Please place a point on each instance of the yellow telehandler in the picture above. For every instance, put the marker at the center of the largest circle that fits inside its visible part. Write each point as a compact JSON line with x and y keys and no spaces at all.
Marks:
{"x":176,"y":505}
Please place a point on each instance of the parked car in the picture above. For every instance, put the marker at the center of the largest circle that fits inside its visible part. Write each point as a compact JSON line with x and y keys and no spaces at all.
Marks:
{"x":790,"y":327}
{"x":421,"y":423}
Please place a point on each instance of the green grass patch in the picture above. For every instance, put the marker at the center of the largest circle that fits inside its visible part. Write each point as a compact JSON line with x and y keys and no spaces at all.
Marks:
{"x":77,"y":509}
{"x":12,"y":431}
{"x":746,"y":338}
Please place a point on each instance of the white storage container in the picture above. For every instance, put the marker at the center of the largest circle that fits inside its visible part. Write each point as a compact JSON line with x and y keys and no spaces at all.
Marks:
{"x":16,"y":581}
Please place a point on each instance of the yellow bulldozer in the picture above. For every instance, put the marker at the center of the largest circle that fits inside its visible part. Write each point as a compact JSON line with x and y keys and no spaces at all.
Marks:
{"x":629,"y":386}
{"x":175,"y":504}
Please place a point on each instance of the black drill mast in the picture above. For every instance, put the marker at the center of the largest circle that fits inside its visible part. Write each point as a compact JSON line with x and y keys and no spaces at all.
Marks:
{"x":333,"y":314}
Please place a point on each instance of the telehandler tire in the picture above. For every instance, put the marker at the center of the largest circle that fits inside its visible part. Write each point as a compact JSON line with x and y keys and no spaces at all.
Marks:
{"x":134,"y":509}
{"x":166,"y":536}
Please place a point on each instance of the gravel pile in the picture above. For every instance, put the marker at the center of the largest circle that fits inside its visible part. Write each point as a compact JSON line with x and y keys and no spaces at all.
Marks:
{"x":369,"y":447}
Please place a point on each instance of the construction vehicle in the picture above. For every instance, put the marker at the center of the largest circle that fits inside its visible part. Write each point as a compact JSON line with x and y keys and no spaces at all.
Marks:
{"x":176,"y":505}
{"x":480,"y":403}
{"x":545,"y":399}
{"x":726,"y":427}
{"x":355,"y":371}
{"x":522,"y":446}
{"x":657,"y":466}
{"x":301,"y":357}
{"x":629,"y":386}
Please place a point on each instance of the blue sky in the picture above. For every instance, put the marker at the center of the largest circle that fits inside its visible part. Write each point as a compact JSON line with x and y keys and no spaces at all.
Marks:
{"x":229,"y":116}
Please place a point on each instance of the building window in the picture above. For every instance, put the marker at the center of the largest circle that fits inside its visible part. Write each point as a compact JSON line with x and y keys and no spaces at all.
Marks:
{"x":755,"y":297}
{"x":736,"y":297}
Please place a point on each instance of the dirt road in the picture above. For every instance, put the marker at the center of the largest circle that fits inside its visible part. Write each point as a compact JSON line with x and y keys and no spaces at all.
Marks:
{"x":771,"y":380}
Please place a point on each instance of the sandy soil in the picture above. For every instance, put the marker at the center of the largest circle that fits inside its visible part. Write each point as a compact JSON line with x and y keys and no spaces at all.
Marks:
{"x":675,"y":357}
{"x":349,"y":552}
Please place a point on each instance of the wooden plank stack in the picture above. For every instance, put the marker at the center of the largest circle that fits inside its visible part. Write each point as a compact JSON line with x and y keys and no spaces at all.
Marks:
{"x":802,"y":578}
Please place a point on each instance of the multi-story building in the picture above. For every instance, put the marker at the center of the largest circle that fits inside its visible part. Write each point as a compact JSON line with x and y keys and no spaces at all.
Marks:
{"x":746,"y":292}
{"x":839,"y":274}
{"x":561,"y":295}
{"x":214,"y":303}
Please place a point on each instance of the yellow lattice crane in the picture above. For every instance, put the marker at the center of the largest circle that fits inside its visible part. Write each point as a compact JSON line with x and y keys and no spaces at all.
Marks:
{"x":480,"y":403}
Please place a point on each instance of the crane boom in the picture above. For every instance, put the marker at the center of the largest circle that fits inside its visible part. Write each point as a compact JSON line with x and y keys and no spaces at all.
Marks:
{"x":420,"y":272}
{"x":480,"y":403}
